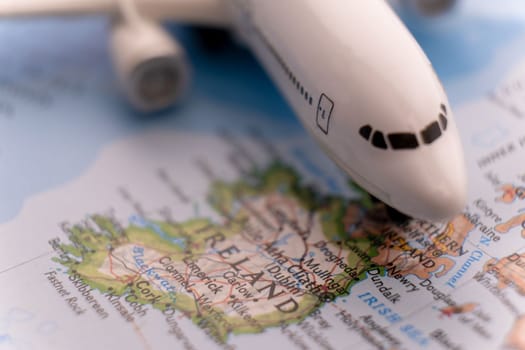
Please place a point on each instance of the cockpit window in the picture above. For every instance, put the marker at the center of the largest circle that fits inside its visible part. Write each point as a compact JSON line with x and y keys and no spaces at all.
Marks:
{"x":378,"y":140}
{"x":431,"y":133}
{"x":403,"y":140}
{"x":442,"y":117}
{"x":407,"y":140}
{"x":443,"y":121}
{"x":365,"y":131}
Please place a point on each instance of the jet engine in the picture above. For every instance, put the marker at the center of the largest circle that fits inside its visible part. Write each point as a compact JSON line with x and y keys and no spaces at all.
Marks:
{"x":151,"y":66}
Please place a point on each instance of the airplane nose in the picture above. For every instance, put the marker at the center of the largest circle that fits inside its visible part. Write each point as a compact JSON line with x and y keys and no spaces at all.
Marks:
{"x":442,"y":197}
{"x":444,"y":201}
{"x":437,"y":191}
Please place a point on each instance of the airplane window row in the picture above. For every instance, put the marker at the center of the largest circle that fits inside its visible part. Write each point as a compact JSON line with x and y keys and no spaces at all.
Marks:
{"x":406,"y":140}
{"x":288,"y":72}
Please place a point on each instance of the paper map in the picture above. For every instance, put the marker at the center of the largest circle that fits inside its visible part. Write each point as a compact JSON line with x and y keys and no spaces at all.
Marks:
{"x":220,"y":224}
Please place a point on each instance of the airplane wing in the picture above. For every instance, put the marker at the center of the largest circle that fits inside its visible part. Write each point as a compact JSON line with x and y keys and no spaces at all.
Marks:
{"x":204,"y":12}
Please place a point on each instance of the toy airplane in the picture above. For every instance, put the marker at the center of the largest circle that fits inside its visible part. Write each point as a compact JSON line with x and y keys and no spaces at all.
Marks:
{"x":350,"y":69}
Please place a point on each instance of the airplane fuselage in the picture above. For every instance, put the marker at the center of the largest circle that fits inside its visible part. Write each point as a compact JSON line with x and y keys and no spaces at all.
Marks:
{"x":351,"y":71}
{"x":365,"y":90}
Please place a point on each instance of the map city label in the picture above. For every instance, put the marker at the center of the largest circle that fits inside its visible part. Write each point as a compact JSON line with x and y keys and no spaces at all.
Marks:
{"x":55,"y":244}
{"x":483,"y":280}
{"x":119,"y":306}
{"x":508,"y":271}
{"x":240,"y":287}
{"x":487,"y":211}
{"x":315,"y":335}
{"x":58,"y":285}
{"x":320,"y":320}
{"x":201,"y":275}
{"x":476,"y":326}
{"x":382,"y":331}
{"x":175,"y":329}
{"x":73,"y":304}
{"x":517,"y":259}
{"x":365,"y":327}
{"x":489,"y":235}
{"x":293,"y":337}
{"x":134,"y":303}
{"x":167,"y":263}
{"x":443,"y":339}
{"x":436,"y":293}
{"x":86,"y":292}
{"x":207,"y":324}
{"x":383,"y":289}
{"x":338,"y":261}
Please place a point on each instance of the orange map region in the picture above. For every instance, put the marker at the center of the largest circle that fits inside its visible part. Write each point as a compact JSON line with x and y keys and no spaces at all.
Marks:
{"x":400,"y":256}
{"x":516,"y":221}
{"x":509,"y":271}
{"x":452,"y":240}
{"x":458,"y":309}
{"x":516,"y":337}
{"x":510,"y":193}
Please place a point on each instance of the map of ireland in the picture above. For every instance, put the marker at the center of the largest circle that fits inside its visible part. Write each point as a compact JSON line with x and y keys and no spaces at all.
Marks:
{"x":220,"y":224}
{"x":268,"y":262}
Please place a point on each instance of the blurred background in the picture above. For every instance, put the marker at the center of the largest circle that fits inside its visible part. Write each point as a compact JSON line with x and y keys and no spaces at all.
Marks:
{"x":60,"y":105}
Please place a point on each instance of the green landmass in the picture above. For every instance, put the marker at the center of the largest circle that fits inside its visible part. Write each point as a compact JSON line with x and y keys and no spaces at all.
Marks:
{"x":91,"y":241}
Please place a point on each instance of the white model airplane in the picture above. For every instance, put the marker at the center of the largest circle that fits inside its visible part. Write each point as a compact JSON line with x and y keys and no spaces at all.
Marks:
{"x":350,"y":69}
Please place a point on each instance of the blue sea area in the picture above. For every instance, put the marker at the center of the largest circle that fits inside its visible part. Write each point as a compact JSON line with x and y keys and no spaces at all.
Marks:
{"x":41,"y":148}
{"x":471,"y":46}
{"x":54,"y":137}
